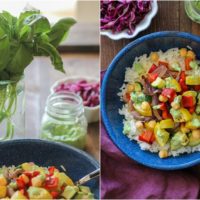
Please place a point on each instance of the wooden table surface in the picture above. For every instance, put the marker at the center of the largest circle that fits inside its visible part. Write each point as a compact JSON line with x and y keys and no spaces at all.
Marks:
{"x":40,"y":76}
{"x":171,"y":16}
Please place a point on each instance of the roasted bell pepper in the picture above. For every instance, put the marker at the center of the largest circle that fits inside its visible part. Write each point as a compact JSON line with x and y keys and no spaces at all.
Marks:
{"x":147,"y":136}
{"x":162,"y":63}
{"x":188,"y":101}
{"x":192,"y":109}
{"x":187,"y":63}
{"x":160,"y":106}
{"x":167,"y":123}
{"x":166,"y":114}
{"x":169,"y":93}
{"x":152,"y":68}
{"x":193,"y":80}
{"x":197,"y":87}
{"x":51,"y":170}
{"x":182,"y":81}
{"x":173,"y":83}
{"x":20,"y":183}
{"x":55,"y":194}
{"x":51,"y":182}
{"x":152,"y":77}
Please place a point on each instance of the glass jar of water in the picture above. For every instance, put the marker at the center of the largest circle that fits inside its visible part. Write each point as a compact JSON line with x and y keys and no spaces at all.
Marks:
{"x":64,"y":120}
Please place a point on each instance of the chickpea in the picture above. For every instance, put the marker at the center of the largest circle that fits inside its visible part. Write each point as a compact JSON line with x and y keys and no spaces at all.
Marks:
{"x":130,"y":88}
{"x":175,"y":105}
{"x":184,"y":129}
{"x":162,"y":98}
{"x":191,"y":54}
{"x":154,"y":57}
{"x":139,"y":125}
{"x":145,"y":105}
{"x":152,"y":124}
{"x":183,"y":52}
{"x":196,"y":133}
{"x":163,"y":153}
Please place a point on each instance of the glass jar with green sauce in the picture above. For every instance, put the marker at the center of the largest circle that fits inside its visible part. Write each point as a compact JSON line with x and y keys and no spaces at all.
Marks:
{"x":64,"y":120}
{"x":192,"y":9}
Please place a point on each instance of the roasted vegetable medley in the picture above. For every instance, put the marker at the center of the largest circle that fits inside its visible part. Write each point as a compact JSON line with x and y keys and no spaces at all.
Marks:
{"x":162,"y":99}
{"x":29,"y":181}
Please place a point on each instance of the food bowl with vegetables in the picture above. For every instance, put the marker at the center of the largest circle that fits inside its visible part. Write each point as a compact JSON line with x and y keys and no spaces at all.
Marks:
{"x":125,"y":19}
{"x":155,"y":116}
{"x":45,"y":172}
{"x":87,"y":88}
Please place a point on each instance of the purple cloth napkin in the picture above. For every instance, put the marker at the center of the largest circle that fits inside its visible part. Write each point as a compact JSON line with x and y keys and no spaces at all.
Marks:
{"x":122,"y":178}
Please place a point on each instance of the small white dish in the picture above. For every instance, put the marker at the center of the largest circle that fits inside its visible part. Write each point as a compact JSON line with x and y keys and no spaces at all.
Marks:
{"x":144,"y":24}
{"x":91,"y":113}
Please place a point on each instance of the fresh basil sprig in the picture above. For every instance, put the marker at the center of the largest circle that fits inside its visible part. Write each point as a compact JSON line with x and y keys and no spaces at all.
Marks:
{"x":29,"y":35}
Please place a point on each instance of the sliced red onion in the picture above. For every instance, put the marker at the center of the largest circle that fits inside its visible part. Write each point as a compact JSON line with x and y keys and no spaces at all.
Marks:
{"x":89,"y":92}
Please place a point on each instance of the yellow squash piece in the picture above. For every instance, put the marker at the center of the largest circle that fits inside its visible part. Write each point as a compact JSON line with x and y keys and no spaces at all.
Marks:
{"x":18,"y":195}
{"x":193,"y":80}
{"x":173,"y":83}
{"x":63,"y":179}
{"x":3,"y":190}
{"x":167,"y":123}
{"x":147,"y":112}
{"x":181,"y":115}
{"x":3,"y":181}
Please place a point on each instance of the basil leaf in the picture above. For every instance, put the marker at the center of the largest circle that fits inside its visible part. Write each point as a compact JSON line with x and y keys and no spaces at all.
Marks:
{"x":39,"y":23}
{"x":51,"y":51}
{"x":4,"y":51}
{"x":20,"y":60}
{"x":24,"y":15}
{"x":60,"y":30}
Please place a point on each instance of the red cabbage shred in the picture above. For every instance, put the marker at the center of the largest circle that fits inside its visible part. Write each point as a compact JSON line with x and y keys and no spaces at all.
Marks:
{"x":123,"y":15}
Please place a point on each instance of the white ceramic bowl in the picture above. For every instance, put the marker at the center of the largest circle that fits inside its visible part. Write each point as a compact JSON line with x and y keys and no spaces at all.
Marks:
{"x":144,"y":24}
{"x":91,"y":113}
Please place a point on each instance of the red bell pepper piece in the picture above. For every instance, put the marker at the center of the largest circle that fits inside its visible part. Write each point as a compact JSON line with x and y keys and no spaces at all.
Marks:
{"x":169,"y":93}
{"x":192,"y":109}
{"x":54,"y":194}
{"x":152,"y":77}
{"x":188,"y":101}
{"x":51,"y":170}
{"x":166,"y":114}
{"x":152,"y":68}
{"x":163,"y":106}
{"x":31,"y":174}
{"x":187,"y":63}
{"x":51,"y":183}
{"x":147,"y":136}
{"x":162,"y":63}
{"x":183,"y":85}
{"x":197,"y":87}
{"x":20,"y":183}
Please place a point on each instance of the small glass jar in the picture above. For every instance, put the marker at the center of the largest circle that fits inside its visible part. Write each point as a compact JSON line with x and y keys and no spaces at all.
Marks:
{"x":64,"y":120}
{"x":192,"y":9}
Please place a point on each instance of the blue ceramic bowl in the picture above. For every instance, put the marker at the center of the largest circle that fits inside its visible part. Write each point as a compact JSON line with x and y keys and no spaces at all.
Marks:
{"x":110,"y":102}
{"x":76,"y":162}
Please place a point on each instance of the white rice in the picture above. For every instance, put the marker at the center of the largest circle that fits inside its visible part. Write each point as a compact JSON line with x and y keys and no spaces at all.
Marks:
{"x":170,"y":56}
